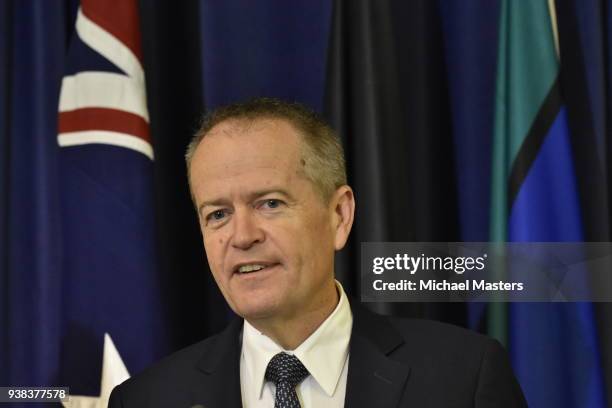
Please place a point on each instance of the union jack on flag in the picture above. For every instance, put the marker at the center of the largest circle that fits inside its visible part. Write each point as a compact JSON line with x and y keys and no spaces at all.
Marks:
{"x":104,"y":101}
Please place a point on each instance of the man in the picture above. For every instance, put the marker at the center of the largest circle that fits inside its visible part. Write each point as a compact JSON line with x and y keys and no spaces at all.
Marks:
{"x":269,"y":185}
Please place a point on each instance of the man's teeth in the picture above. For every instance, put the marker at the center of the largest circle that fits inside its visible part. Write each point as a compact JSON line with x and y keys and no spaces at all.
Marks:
{"x":250,"y":268}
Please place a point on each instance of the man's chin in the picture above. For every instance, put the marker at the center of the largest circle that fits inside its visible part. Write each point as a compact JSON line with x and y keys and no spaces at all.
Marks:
{"x":258,"y":311}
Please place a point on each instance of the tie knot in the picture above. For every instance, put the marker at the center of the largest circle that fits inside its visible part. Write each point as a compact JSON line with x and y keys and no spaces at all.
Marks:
{"x":286,"y":368}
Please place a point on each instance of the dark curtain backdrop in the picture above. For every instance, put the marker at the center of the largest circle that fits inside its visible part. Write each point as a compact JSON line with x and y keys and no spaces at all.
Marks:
{"x":585,"y":34}
{"x":409,"y":86}
{"x":33,"y":46}
{"x":387,"y":95}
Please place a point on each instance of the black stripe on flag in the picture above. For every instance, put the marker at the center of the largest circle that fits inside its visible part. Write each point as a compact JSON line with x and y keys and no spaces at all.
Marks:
{"x":534,"y":140}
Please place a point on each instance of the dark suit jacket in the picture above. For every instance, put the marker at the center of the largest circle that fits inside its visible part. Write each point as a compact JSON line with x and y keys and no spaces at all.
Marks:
{"x":392,"y":363}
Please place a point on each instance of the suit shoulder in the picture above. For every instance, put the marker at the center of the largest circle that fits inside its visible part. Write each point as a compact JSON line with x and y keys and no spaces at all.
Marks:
{"x":170,"y":369}
{"x":471,"y":369}
{"x":179,"y":379}
{"x":421,"y":339}
{"x":176,"y":362}
{"x":433,"y":333}
{"x":443,"y":345}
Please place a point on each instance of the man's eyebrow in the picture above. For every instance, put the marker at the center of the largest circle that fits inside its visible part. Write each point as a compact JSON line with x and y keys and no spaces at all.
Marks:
{"x":260,"y":193}
{"x":221,"y":202}
{"x":213,"y":203}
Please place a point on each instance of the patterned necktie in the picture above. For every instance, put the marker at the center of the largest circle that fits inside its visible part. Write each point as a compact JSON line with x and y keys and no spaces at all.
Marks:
{"x":286,"y":371}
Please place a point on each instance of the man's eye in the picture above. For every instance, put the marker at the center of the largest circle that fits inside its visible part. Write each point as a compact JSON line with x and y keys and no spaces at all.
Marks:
{"x":216,"y":215}
{"x":272,"y":203}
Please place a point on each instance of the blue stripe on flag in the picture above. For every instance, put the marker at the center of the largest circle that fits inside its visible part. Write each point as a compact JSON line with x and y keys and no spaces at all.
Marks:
{"x":553,"y":347}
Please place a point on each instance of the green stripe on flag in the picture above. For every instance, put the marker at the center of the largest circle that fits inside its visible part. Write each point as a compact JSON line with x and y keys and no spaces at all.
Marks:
{"x":526,"y":71}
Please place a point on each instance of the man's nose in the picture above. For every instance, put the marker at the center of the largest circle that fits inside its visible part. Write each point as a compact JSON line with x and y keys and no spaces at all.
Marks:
{"x":247,"y":230}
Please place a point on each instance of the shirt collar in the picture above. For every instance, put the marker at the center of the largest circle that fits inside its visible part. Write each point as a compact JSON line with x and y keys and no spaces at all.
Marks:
{"x":323,"y":353}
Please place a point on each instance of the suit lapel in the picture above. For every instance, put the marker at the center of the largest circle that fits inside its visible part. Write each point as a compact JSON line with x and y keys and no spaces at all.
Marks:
{"x":220,"y":365}
{"x":374,"y":379}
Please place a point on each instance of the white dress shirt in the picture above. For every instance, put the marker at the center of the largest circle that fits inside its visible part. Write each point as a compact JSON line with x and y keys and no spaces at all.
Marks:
{"x":325,"y":354}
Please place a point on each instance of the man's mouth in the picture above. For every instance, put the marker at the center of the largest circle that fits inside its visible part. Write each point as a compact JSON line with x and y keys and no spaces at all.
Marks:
{"x":251,"y":268}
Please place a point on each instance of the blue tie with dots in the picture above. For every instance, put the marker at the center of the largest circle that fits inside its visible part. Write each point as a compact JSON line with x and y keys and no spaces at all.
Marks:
{"x":286,"y":371}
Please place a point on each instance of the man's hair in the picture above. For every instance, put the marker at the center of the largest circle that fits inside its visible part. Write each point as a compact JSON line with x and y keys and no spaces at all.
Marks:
{"x":322,"y":157}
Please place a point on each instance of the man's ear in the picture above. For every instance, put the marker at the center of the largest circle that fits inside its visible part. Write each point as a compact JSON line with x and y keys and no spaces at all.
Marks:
{"x":343,"y":206}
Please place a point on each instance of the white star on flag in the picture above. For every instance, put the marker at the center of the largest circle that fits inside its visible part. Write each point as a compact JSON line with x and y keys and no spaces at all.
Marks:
{"x":114,"y":373}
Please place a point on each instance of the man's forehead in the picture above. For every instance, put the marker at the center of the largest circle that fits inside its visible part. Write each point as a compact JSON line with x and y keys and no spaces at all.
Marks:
{"x":228,"y":150}
{"x":243,"y":179}
{"x":271,"y":141}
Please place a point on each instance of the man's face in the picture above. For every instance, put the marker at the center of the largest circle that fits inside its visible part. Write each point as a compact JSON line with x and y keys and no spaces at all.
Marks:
{"x":257,"y":209}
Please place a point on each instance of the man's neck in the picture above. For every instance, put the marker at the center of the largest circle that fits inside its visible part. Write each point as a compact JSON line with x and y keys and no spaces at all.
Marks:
{"x":290,"y":332}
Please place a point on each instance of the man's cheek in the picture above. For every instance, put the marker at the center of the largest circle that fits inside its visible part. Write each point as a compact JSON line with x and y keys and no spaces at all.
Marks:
{"x":213,"y":264}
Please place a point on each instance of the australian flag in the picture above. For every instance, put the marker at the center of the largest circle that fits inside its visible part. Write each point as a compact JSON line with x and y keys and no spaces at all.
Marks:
{"x":114,"y":320}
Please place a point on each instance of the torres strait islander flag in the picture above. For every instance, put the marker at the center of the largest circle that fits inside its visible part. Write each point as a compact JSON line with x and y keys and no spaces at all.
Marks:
{"x":114,"y":320}
{"x":553,"y":346}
